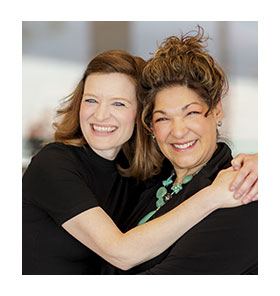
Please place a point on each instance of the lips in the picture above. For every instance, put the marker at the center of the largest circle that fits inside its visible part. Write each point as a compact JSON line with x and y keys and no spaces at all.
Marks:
{"x":184,"y":146}
{"x":103,"y":129}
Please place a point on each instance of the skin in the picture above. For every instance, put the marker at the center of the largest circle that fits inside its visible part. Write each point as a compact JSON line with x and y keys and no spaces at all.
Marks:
{"x":184,"y":134}
{"x":107,"y":114}
{"x":107,"y":125}
{"x":188,"y":123}
{"x":245,"y":184}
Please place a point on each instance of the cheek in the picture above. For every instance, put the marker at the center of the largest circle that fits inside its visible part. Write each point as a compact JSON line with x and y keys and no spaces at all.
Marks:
{"x":208,"y":132}
{"x":84,"y":113}
{"x":129,"y":119}
{"x":202,"y":127}
{"x":82,"y":121}
{"x":160,"y":132}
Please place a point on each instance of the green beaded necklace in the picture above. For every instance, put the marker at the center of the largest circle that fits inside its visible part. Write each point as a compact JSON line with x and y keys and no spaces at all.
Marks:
{"x":163,"y":195}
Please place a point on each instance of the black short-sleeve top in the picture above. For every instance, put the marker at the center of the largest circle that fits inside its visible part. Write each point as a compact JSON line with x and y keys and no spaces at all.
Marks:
{"x":61,"y":182}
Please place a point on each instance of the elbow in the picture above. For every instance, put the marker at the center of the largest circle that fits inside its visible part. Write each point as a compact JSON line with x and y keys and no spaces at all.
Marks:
{"x":122,"y":254}
{"x":123,"y":263}
{"x":124,"y":266}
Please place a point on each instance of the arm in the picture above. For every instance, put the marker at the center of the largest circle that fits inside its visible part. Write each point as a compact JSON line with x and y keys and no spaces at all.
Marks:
{"x":224,"y":243}
{"x":245,"y":184}
{"x":95,"y":229}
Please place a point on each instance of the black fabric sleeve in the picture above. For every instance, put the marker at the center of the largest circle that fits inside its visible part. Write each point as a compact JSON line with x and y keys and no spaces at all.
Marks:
{"x":55,"y":183}
{"x":223,"y":243}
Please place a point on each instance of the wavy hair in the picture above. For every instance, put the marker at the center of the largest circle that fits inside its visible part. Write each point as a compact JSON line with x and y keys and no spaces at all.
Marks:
{"x":178,"y":61}
{"x":67,"y":127}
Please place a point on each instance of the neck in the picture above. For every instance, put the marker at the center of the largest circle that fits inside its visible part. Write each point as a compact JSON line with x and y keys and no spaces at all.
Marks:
{"x":182,"y":173}
{"x":109,"y":154}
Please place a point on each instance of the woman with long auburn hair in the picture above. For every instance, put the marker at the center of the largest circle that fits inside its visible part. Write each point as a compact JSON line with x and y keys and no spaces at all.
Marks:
{"x":77,"y":192}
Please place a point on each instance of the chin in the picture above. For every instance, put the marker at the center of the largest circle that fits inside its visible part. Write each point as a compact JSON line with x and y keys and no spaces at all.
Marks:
{"x":187,"y":165}
{"x":105,"y":147}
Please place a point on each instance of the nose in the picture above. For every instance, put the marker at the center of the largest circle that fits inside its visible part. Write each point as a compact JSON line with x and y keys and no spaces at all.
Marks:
{"x":179,"y":128}
{"x":101,"y":112}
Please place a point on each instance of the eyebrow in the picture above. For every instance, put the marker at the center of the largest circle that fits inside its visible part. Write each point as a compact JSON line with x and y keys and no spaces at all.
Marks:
{"x":89,"y":95}
{"x":183,"y":108}
{"x":113,"y":98}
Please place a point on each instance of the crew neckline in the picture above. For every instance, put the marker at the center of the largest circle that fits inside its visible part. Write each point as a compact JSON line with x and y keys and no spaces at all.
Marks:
{"x":99,"y":159}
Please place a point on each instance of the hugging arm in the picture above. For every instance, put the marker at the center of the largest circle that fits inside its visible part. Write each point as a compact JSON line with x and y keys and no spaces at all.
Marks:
{"x":95,"y":229}
{"x":226,"y":242}
{"x":58,"y":189}
{"x":245,"y":184}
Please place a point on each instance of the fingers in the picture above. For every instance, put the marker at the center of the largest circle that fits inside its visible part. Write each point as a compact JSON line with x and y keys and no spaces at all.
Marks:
{"x":238,"y":160}
{"x":252,"y":195}
{"x":247,"y":174}
{"x":242,"y":159}
{"x":248,"y":182}
{"x":239,"y":178}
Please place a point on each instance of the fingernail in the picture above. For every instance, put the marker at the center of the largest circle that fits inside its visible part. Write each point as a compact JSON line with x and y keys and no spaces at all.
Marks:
{"x":232,"y":188}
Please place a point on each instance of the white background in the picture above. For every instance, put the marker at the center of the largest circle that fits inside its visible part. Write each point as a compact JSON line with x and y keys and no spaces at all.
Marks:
{"x":13,"y":283}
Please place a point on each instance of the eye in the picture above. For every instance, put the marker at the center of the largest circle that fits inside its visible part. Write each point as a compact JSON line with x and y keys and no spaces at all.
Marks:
{"x":91,"y":100}
{"x":161,"y":119}
{"x":118,"y":104}
{"x":193,"y":113}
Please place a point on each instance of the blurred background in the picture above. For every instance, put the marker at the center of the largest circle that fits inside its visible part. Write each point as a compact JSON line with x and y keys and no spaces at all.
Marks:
{"x":55,"y":54}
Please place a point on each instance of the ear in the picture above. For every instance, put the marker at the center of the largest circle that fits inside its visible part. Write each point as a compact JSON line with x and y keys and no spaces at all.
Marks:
{"x":218,"y":111}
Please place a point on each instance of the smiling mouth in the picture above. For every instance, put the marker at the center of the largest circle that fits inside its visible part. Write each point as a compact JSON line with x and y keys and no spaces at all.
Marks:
{"x":184,"y":146}
{"x":102,"y":129}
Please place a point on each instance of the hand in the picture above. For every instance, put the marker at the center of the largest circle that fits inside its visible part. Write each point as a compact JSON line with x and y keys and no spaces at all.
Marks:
{"x":245,"y":184}
{"x":220,"y":189}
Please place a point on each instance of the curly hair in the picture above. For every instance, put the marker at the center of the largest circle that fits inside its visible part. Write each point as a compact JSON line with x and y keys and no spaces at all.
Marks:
{"x":67,"y":129}
{"x":184,"y":61}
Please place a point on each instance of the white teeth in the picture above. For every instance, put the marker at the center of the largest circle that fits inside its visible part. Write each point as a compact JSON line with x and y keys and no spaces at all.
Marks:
{"x":106,"y":129}
{"x":184,"y":146}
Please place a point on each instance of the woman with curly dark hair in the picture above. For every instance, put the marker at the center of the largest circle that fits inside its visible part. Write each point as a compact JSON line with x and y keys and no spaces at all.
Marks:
{"x":76,"y":191}
{"x":183,"y":87}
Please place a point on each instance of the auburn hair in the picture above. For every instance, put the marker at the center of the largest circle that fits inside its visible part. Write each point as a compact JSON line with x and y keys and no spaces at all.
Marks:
{"x":67,"y":127}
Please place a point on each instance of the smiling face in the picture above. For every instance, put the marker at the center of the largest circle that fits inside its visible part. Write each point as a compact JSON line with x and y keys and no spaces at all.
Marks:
{"x":108,"y":112}
{"x":184,"y":135}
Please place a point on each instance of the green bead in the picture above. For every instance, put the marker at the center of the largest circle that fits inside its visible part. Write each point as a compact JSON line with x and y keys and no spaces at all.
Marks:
{"x":166,"y":182}
{"x":160,"y":202}
{"x":169,"y":181}
{"x":161,"y":192}
{"x":176,"y":188}
{"x":187,"y":179}
{"x":147,"y":217}
{"x":163,"y":196}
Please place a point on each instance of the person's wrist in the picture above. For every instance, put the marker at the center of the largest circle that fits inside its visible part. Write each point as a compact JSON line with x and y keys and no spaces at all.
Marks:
{"x":212,"y":202}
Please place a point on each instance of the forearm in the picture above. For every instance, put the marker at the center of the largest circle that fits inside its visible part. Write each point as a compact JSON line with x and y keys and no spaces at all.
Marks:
{"x":230,"y":229}
{"x":149,"y":240}
{"x":152,"y":238}
{"x":95,"y":229}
